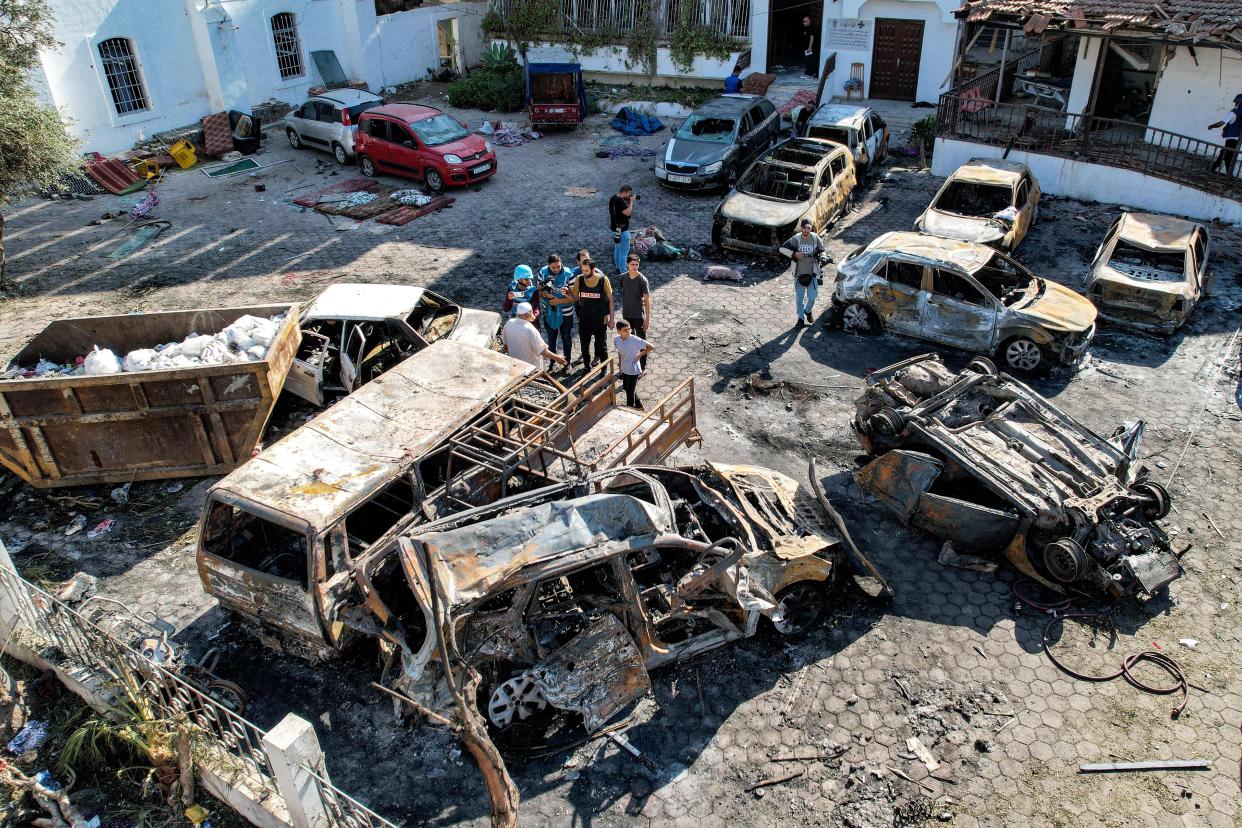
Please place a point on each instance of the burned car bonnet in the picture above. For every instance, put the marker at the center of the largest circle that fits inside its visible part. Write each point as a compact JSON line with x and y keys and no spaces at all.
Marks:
{"x":981,"y":460}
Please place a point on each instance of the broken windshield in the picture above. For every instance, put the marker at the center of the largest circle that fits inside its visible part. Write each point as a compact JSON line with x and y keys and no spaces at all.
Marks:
{"x":439,"y":129}
{"x":1149,"y":265}
{"x":706,"y":128}
{"x":777,"y":182}
{"x":1006,"y":281}
{"x":969,"y":199}
{"x":433,"y":317}
{"x":839,"y":135}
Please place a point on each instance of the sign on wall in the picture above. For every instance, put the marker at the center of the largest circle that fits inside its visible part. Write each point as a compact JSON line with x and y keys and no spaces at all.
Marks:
{"x":849,"y":34}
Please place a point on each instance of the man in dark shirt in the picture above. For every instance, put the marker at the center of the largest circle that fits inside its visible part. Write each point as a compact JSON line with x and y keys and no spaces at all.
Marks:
{"x":592,"y":292}
{"x":810,"y":47}
{"x":620,"y":209}
{"x":636,"y":299}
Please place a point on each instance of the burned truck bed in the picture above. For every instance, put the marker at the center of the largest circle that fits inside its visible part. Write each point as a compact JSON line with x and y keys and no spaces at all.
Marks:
{"x":982,"y":461}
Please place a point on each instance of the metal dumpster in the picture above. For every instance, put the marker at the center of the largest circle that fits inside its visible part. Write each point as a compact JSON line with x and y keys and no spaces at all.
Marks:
{"x":148,"y":425}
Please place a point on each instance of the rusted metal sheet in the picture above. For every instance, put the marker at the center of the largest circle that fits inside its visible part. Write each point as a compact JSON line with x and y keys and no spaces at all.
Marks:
{"x":185,"y":422}
{"x":596,"y":674}
{"x":898,"y":479}
{"x":968,"y":525}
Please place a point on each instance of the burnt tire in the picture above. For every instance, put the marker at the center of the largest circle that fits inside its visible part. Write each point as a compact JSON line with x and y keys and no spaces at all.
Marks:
{"x":858,"y":318}
{"x":887,"y":422}
{"x":1065,"y":560}
{"x":1020,"y":353}
{"x":801,"y":606}
{"x":1156,"y":503}
{"x":982,"y":365}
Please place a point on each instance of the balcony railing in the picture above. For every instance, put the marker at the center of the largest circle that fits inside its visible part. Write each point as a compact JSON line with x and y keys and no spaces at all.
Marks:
{"x":725,"y":18}
{"x":1106,"y":141}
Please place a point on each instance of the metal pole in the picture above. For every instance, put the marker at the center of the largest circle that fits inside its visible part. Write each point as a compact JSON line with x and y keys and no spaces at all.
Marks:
{"x":1000,"y":74}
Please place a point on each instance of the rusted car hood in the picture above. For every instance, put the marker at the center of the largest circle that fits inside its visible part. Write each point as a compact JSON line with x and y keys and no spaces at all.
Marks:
{"x":1060,"y":308}
{"x":1130,"y":284}
{"x":476,"y":327}
{"x":765,"y":212}
{"x":966,"y":228}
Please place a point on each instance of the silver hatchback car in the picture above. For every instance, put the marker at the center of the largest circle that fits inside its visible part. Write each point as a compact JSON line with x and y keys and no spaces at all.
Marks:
{"x":328,"y":122}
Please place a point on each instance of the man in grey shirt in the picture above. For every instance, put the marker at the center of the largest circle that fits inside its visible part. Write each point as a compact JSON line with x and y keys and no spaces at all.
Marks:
{"x":635,"y":299}
{"x":806,"y":249}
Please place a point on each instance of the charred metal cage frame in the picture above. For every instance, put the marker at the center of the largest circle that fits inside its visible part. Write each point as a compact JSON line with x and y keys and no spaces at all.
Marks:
{"x":123,"y":75}
{"x":288,"y":45}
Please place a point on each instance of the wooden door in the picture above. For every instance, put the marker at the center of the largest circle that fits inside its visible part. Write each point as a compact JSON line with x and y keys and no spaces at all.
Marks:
{"x":895,"y":59}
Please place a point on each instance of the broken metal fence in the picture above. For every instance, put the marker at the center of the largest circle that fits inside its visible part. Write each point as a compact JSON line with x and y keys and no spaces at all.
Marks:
{"x":127,"y":677}
{"x":985,"y":84}
{"x":1106,"y":141}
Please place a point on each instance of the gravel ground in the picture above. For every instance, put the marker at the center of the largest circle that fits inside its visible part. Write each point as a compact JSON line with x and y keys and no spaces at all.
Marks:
{"x":952,"y":660}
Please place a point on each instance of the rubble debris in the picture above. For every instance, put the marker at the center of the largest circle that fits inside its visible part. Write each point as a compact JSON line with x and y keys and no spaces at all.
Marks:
{"x":76,"y":525}
{"x":776,"y":780}
{"x":78,"y":588}
{"x":1067,"y":507}
{"x":975,"y":563}
{"x":721,"y":273}
{"x":31,"y":737}
{"x":1158,"y":764}
{"x":920,"y":750}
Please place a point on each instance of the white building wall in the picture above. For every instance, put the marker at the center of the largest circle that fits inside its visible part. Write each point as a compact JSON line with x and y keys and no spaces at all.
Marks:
{"x":168,"y":55}
{"x":939,"y":40}
{"x":403,"y":46}
{"x":1189,"y":96}
{"x":1095,"y":182}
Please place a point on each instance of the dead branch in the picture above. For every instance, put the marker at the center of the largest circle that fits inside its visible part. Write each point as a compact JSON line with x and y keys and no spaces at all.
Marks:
{"x":61,"y":813}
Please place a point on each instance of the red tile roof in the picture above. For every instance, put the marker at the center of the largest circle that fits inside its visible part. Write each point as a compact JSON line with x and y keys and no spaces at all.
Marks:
{"x":1190,"y":19}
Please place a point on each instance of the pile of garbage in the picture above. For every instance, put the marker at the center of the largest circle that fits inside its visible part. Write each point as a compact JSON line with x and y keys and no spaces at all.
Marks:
{"x":355,"y":199}
{"x":248,"y":339}
{"x":411,"y":198}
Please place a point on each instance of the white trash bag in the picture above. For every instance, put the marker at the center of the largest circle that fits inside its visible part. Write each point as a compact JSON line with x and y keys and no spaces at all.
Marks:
{"x":102,"y":362}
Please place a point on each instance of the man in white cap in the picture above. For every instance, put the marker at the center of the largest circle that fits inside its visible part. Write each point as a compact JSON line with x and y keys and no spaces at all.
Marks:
{"x":522,"y":338}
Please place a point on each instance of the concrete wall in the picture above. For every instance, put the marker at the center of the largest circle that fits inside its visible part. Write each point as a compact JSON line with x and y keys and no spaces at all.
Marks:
{"x":1189,"y":96}
{"x":1093,"y":182}
{"x":164,"y":43}
{"x":939,"y":40}
{"x":201,"y":56}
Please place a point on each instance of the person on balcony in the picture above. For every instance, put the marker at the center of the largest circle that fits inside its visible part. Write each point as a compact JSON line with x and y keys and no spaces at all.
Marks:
{"x":1230,"y":130}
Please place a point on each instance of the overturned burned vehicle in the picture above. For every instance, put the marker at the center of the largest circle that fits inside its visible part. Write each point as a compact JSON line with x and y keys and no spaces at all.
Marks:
{"x":984,"y":462}
{"x":563,"y":599}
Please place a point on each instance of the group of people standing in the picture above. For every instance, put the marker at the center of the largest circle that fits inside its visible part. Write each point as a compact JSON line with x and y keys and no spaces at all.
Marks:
{"x":563,"y":297}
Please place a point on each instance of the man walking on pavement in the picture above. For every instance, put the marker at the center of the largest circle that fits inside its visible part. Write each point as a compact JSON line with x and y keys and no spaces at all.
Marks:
{"x":522,"y":339}
{"x":1230,"y":130}
{"x":631,"y":355}
{"x":805,"y":249}
{"x":554,"y":279}
{"x":592,"y":292}
{"x":636,"y":299}
{"x":620,"y":209}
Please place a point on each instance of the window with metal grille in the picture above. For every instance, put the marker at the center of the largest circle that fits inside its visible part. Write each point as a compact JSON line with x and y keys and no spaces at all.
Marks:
{"x":120,"y":68}
{"x":288,"y":46}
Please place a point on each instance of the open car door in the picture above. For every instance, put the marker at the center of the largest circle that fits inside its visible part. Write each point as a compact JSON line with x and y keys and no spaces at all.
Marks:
{"x":351,"y":358}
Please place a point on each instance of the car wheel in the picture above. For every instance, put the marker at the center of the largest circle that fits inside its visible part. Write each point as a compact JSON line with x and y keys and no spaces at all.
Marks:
{"x":507,"y":696}
{"x":367,"y":166}
{"x":800,"y":607}
{"x":434,"y":181}
{"x":982,"y":365}
{"x":339,"y":153}
{"x":730,"y":179}
{"x":295,"y":140}
{"x":859,"y":318}
{"x":1157,"y":499}
{"x":1021,"y":354}
{"x":1065,"y":560}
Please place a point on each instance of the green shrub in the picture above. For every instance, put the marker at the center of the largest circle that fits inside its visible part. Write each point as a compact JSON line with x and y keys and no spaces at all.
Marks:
{"x":491,"y":90}
{"x":923,"y":134}
{"x":499,"y":57}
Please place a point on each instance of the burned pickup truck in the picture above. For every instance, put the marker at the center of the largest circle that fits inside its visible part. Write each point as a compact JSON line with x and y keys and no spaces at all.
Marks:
{"x":564,"y":598}
{"x":291,"y":539}
{"x":982,"y":461}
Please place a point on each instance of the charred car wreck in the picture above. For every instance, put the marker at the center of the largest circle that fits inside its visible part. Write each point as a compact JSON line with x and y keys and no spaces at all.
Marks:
{"x":563,"y":599}
{"x":981,"y":460}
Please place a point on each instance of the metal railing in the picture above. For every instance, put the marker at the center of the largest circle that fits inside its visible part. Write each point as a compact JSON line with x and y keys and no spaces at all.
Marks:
{"x":342,"y":809}
{"x":1106,"y":141}
{"x":986,"y":82}
{"x":616,"y":18}
{"x":118,"y":671}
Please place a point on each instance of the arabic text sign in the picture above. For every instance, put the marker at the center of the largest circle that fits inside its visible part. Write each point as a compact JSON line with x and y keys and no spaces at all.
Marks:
{"x":849,"y":34}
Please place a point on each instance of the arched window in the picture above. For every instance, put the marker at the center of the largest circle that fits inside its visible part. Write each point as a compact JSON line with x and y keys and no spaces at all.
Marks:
{"x":120,"y":68}
{"x":288,"y":45}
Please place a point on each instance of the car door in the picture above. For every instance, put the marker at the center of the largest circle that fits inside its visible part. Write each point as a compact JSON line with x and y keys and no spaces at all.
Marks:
{"x":353,"y":350}
{"x":329,"y":121}
{"x":747,"y":137}
{"x":1026,"y":209}
{"x":376,"y":144}
{"x":897,"y":291}
{"x":771,"y":123}
{"x":299,"y":117}
{"x":1200,"y":245}
{"x":957,"y":311}
{"x":866,"y":147}
{"x":310,"y":127}
{"x":405,"y":151}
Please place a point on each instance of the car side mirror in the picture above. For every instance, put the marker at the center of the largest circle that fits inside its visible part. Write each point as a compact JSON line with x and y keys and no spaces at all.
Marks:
{"x":408,"y":144}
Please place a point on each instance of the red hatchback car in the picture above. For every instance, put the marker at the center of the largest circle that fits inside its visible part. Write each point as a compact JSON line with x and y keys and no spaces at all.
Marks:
{"x":422,"y":142}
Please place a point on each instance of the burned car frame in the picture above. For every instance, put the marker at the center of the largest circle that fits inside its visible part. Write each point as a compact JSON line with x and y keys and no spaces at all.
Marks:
{"x":564,"y":598}
{"x":980,"y":460}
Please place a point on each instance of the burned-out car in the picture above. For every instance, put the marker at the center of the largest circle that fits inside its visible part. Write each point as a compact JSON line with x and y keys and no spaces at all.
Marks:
{"x":1150,"y":271}
{"x":352,"y":333}
{"x":989,"y":201}
{"x":982,"y":461}
{"x":961,"y":294}
{"x":800,"y":178}
{"x":858,"y":127}
{"x":564,"y":598}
